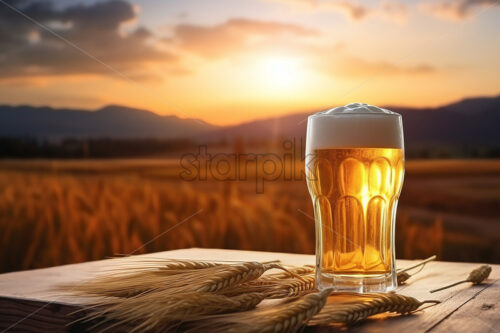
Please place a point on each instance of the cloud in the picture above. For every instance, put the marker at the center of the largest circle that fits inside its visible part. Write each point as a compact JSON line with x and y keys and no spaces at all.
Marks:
{"x":353,"y":10}
{"x":242,"y":37}
{"x":351,"y":66}
{"x":234,"y":35}
{"x":456,"y":9}
{"x":394,"y":10}
{"x":28,"y":50}
{"x":389,"y":9}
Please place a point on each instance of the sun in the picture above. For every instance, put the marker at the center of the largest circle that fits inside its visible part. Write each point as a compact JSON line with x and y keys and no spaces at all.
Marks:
{"x":280,"y":72}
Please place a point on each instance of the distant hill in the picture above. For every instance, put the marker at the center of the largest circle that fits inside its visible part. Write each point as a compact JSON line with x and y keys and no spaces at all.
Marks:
{"x":471,"y":123}
{"x":113,"y":121}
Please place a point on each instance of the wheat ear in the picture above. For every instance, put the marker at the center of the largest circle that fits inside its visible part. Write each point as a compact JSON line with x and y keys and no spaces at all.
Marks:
{"x":349,"y":313}
{"x":209,"y":279}
{"x":158,"y":311}
{"x":285,"y":317}
{"x":402,"y":277}
{"x":290,"y":287}
{"x":171,"y":265}
{"x":236,"y":274}
{"x":277,"y":289}
{"x":477,"y":276}
{"x":300,"y":270}
{"x":136,"y":276}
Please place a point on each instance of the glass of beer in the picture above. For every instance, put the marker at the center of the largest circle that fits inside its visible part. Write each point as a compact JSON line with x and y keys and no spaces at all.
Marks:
{"x":354,"y":172}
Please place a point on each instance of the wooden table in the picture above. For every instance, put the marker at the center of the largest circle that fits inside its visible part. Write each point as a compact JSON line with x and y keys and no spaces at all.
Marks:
{"x":30,"y":303}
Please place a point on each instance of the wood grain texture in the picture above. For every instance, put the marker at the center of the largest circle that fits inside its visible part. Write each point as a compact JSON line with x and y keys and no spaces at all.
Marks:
{"x":464,"y":308}
{"x":480,"y":314}
{"x":24,"y":315}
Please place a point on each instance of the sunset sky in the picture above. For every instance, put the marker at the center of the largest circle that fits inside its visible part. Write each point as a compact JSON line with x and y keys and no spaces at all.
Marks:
{"x":229,"y":61}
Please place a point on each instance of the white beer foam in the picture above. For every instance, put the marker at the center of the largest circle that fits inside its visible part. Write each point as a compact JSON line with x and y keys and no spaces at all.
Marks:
{"x":355,"y":125}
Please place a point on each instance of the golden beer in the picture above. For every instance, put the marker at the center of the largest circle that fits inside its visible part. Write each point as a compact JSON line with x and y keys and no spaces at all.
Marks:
{"x":355,"y":192}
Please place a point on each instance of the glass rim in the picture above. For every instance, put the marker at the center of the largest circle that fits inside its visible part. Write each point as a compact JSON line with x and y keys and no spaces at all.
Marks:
{"x":371,"y":114}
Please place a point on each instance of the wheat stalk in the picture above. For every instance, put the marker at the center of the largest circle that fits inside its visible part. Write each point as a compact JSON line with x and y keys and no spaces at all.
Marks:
{"x":279,"y":285}
{"x":173,"y":266}
{"x":279,"y":288}
{"x":210,"y":296}
{"x":477,"y":276}
{"x":147,"y":275}
{"x":349,"y":313}
{"x":300,"y":270}
{"x":291,"y":287}
{"x":285,"y":317}
{"x":236,"y":274}
{"x":420,"y":264}
{"x":160,"y":310}
{"x":403,"y":275}
{"x":211,"y":279}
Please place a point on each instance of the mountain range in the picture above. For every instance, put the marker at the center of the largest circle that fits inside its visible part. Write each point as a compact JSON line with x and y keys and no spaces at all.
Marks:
{"x":112,"y":121}
{"x":472,"y":121}
{"x":469,"y":122}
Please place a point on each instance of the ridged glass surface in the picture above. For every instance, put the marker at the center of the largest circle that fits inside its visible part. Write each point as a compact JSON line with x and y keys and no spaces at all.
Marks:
{"x":355,"y":192}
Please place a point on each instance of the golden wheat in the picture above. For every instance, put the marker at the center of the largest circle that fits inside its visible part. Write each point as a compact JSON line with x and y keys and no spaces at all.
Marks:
{"x":210,"y":279}
{"x":291,"y":287}
{"x":167,"y":266}
{"x":371,"y":304}
{"x":300,"y":270}
{"x":477,"y":276}
{"x":278,"y":288}
{"x":233,"y":274}
{"x":209,"y":297}
{"x":403,"y":275}
{"x":50,"y":216}
{"x":285,"y":317}
{"x":279,"y":285}
{"x":49,"y":219}
{"x":160,"y":310}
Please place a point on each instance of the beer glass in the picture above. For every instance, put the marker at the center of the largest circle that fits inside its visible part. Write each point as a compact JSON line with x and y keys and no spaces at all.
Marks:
{"x":354,"y":172}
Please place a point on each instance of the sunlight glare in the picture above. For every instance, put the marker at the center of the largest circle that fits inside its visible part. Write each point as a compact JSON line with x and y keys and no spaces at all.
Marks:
{"x":280,"y":72}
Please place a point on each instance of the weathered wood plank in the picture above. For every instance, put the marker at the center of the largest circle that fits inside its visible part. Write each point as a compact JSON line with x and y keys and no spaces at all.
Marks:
{"x":24,"y":293}
{"x":479,"y":314}
{"x":23,"y":315}
{"x":434,"y":275}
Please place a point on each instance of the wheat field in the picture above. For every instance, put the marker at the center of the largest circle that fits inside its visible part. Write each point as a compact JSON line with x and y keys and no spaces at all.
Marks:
{"x":52,"y":216}
{"x":50,"y":220}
